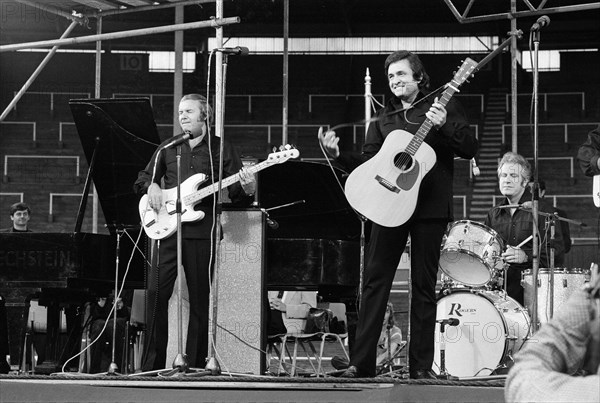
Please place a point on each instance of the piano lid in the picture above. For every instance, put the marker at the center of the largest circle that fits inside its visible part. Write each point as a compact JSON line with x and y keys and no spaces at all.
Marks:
{"x":125,"y":135}
{"x":325,"y":212}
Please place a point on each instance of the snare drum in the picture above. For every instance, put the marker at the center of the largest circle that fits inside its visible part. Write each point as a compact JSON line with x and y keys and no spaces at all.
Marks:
{"x":565,"y":282}
{"x":471,"y":253}
{"x":492,"y":328}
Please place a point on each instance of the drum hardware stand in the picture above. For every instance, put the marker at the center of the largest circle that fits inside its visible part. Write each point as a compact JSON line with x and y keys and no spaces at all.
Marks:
{"x":551,"y":278}
{"x":504,"y":279}
{"x":551,"y":221}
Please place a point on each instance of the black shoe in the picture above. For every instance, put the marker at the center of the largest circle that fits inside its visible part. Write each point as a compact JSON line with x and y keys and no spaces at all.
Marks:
{"x":353,"y":372}
{"x":338,"y":362}
{"x":422,"y":374}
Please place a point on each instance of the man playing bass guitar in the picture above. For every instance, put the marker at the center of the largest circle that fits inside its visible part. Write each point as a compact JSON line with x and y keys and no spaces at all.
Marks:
{"x":199,"y":154}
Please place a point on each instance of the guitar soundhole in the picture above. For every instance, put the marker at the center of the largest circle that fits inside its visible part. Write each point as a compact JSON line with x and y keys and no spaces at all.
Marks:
{"x":403,"y":161}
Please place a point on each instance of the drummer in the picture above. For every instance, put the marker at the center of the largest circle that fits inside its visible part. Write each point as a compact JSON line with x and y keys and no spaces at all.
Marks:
{"x":515,"y":224}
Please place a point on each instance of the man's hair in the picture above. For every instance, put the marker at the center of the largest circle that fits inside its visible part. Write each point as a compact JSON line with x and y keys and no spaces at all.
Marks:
{"x":204,"y":105}
{"x":419,"y":73}
{"x":19,"y":207}
{"x":514,"y":158}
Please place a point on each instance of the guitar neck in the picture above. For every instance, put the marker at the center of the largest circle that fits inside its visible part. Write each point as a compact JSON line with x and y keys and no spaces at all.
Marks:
{"x":230,"y":180}
{"x":419,"y":137}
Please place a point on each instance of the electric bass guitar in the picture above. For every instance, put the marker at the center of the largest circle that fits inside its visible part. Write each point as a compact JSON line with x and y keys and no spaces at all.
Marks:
{"x":385,"y":188}
{"x":163,"y":223}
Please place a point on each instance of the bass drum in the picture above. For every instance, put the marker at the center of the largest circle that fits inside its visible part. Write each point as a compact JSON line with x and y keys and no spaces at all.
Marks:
{"x":492,"y":328}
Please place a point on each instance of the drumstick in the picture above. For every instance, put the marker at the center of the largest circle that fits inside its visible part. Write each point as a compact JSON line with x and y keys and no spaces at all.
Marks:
{"x":529,"y":238}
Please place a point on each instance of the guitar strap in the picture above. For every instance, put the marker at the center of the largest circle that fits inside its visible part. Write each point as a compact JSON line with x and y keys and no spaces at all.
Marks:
{"x":375,"y":119}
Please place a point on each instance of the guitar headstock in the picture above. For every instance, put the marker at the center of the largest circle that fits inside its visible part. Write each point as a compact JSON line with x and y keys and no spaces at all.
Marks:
{"x":464,"y":72}
{"x":285,"y":153}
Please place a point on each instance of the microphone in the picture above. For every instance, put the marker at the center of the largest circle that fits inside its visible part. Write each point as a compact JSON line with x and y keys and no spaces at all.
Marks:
{"x":270,"y":222}
{"x":449,"y":321}
{"x":513,"y":206}
{"x":238,"y":50}
{"x":182,"y":138}
{"x":541,"y":22}
{"x":525,"y":205}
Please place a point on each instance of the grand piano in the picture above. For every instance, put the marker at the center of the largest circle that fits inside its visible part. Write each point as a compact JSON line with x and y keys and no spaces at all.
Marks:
{"x":64,"y":270}
{"x":313,"y":242}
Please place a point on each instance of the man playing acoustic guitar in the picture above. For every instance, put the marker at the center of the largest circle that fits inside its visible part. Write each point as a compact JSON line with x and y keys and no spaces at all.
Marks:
{"x":410,"y":111}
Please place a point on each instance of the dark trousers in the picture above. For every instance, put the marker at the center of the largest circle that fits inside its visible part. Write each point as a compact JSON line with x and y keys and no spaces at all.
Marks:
{"x":385,"y":249}
{"x":161,"y":280}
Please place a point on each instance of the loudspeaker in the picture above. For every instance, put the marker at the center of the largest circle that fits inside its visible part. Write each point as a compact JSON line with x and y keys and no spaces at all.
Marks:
{"x":240,"y":334}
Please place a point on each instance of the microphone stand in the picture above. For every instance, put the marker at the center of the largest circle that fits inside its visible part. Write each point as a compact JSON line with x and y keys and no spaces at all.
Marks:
{"x":443,"y":372}
{"x":180,"y":363}
{"x":535,"y":193}
{"x":212,"y":364}
{"x":113,"y":368}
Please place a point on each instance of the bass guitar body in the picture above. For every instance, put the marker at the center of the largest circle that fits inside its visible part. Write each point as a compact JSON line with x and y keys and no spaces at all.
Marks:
{"x":164,"y":223}
{"x":385,"y":188}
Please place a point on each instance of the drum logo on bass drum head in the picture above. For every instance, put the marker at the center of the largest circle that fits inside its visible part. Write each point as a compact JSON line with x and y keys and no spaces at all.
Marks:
{"x":458,"y":310}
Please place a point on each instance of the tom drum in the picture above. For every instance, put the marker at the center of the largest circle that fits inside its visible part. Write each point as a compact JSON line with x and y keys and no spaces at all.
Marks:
{"x":471,"y":253}
{"x":565,"y":282}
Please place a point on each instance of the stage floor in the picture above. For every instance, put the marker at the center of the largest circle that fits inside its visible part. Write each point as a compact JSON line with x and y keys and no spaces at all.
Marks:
{"x":76,"y":388}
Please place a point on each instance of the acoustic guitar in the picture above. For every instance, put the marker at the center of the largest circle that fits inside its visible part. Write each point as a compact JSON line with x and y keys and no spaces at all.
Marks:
{"x":385,"y":188}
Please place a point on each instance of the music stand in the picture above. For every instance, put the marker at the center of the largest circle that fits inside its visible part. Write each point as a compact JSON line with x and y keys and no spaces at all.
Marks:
{"x":118,"y":137}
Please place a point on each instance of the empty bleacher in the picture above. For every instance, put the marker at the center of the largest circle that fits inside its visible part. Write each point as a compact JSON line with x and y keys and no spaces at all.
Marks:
{"x":43,"y":154}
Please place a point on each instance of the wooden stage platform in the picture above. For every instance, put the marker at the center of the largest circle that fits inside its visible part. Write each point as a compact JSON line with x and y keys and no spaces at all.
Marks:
{"x":77,"y":388}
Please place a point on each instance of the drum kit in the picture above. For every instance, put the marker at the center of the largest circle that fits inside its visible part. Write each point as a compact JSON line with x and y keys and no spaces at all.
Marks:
{"x":479,"y":327}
